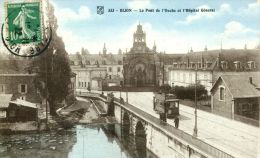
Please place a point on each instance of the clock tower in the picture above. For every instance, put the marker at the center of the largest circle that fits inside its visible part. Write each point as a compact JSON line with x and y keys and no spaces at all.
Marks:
{"x":139,"y":41}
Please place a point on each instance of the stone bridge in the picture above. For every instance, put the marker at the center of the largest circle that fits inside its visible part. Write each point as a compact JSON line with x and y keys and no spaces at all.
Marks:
{"x":147,"y":131}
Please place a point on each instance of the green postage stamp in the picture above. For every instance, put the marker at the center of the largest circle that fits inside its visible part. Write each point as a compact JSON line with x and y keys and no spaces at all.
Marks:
{"x":26,"y":30}
{"x":24,"y":23}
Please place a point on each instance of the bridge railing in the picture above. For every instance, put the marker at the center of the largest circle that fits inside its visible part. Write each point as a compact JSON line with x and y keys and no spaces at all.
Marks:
{"x":88,"y":94}
{"x":201,"y":145}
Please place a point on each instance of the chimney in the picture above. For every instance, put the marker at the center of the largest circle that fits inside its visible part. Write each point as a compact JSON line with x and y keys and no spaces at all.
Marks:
{"x":251,"y":80}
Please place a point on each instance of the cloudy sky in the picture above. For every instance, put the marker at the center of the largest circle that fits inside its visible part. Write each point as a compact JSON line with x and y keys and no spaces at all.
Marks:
{"x":233,"y":23}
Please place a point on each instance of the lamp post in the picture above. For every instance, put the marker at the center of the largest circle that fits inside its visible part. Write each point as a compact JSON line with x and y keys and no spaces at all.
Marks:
{"x":195,"y":130}
{"x":46,"y":89}
{"x":126,"y":95}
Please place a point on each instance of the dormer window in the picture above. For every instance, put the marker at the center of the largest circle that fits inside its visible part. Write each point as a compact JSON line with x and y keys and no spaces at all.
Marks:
{"x":175,"y":65}
{"x":251,"y":64}
{"x":184,"y":64}
{"x":237,"y":65}
{"x":199,"y":65}
{"x":193,"y":65}
{"x":224,"y":65}
{"x":208,"y":64}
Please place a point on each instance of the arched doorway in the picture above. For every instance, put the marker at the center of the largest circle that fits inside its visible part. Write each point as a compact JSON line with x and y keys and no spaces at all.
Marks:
{"x":140,"y":140}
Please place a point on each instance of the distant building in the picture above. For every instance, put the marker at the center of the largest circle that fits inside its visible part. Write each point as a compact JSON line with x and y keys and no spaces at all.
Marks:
{"x":18,"y":80}
{"x":145,"y":67}
{"x":138,"y":67}
{"x":212,"y":64}
{"x":237,"y":97}
{"x":95,"y":70}
{"x":141,"y":64}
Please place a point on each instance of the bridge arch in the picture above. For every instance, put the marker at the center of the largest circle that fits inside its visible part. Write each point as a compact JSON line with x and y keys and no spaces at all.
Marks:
{"x":140,"y":139}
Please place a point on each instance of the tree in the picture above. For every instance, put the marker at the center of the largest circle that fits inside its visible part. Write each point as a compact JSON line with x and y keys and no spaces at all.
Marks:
{"x":189,"y":92}
{"x":54,"y":69}
{"x":165,"y":88}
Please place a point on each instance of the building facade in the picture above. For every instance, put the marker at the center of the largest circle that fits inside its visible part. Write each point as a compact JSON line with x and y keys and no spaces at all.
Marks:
{"x":94,"y":70}
{"x":207,"y":66}
{"x":237,"y":97}
{"x":141,"y":67}
{"x":145,"y":67}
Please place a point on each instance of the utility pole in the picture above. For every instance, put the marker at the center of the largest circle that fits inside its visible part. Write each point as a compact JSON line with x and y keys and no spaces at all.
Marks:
{"x":195,"y":130}
{"x":46,"y":88}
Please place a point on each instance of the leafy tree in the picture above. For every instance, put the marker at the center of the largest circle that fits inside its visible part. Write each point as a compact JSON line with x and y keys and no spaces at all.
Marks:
{"x":189,"y":92}
{"x":53,"y":68}
{"x":165,"y":88}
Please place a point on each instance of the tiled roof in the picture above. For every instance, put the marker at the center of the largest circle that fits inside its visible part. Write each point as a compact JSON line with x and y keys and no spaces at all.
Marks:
{"x":20,"y":102}
{"x":92,"y":59}
{"x":240,"y":86}
{"x":226,"y":55}
{"x":13,"y":66}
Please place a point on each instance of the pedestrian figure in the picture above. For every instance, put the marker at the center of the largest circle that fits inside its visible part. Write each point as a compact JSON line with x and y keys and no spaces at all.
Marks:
{"x":176,"y":121}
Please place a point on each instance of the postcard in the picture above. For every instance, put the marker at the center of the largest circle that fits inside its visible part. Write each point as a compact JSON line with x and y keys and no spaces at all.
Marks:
{"x":130,"y":79}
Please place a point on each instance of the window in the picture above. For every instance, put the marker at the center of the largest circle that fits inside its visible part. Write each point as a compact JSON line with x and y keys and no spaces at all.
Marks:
{"x":119,"y":62}
{"x":110,"y":77}
{"x":223,"y":64}
{"x":251,"y":64}
{"x":118,"y":69}
{"x":22,"y":88}
{"x":190,"y":77}
{"x":2,"y":88}
{"x":79,"y":84}
{"x":87,"y":62}
{"x":237,"y":65}
{"x":2,"y":114}
{"x":222,"y":93}
{"x":23,"y":97}
{"x":110,"y":69}
{"x":104,"y":62}
{"x":85,"y":84}
{"x":208,"y":64}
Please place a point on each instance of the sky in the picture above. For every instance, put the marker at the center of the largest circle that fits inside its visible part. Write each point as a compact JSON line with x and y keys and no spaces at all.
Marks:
{"x":233,"y":24}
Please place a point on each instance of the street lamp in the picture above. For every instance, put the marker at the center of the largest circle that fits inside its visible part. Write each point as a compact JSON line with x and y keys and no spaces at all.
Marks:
{"x":195,"y":130}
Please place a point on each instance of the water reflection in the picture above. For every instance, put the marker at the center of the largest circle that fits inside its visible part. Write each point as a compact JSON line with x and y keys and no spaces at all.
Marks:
{"x":53,"y":144}
{"x":79,"y":142}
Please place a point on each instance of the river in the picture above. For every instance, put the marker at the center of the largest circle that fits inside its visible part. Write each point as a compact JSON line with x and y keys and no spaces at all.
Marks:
{"x":82,"y":141}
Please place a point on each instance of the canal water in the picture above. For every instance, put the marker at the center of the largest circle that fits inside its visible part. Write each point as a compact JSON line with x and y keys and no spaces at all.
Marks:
{"x":82,"y":141}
